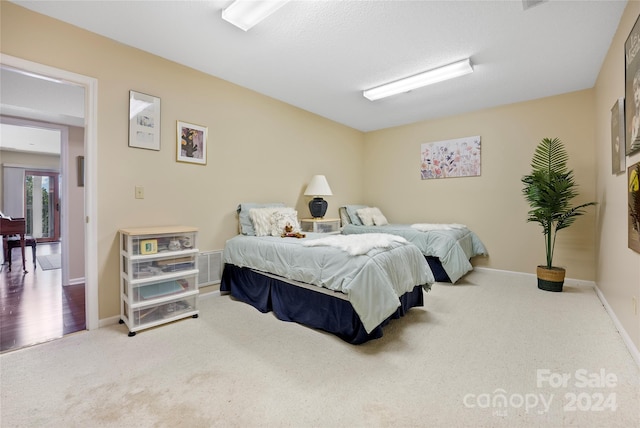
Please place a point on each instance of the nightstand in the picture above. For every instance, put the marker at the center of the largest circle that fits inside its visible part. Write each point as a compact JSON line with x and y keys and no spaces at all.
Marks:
{"x":320,"y":225}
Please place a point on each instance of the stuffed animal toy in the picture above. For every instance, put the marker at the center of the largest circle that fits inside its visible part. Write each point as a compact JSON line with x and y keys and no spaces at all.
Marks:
{"x":289,"y":233}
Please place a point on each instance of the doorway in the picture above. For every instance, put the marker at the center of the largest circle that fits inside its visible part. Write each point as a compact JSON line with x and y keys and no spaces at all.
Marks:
{"x":88,"y":220}
{"x":41,"y":304}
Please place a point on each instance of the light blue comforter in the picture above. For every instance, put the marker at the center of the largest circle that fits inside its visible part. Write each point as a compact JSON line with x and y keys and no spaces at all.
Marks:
{"x":372,"y":282}
{"x":453,"y":247}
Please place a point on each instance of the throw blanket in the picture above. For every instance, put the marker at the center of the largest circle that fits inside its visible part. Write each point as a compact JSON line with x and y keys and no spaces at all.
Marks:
{"x":426,"y":227}
{"x":358,"y":244}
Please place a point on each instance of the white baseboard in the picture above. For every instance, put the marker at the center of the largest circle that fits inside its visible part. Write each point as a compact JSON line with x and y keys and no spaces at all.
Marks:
{"x":76,"y":281}
{"x":109,"y":321}
{"x":573,"y":281}
{"x":633,"y":350}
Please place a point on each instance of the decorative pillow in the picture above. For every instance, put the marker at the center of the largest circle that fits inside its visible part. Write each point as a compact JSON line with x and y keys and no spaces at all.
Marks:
{"x":344,"y":217}
{"x":261,"y":219}
{"x":365,"y":216}
{"x":378,"y":218}
{"x":371,"y":216}
{"x":281,"y":217}
{"x":351,"y":212}
{"x":246,"y":226}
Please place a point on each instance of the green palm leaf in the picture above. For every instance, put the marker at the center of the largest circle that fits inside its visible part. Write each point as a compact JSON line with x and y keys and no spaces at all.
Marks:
{"x":549,"y":189}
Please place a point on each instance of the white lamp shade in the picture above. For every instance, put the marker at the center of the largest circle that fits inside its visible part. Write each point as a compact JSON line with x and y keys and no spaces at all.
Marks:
{"x":318,"y":186}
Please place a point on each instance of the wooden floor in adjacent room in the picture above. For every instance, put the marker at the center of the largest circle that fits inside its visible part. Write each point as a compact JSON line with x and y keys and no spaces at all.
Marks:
{"x":34,"y":306}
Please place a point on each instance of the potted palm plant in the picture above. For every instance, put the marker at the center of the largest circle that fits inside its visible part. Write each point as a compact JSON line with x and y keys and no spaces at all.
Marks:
{"x":549,"y":189}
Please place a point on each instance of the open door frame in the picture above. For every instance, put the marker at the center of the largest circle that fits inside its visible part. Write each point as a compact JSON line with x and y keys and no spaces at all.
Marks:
{"x":90,"y":85}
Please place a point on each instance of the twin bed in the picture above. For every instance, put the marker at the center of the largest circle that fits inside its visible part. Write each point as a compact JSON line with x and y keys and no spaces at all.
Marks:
{"x":347,"y":285}
{"x":447,"y":248}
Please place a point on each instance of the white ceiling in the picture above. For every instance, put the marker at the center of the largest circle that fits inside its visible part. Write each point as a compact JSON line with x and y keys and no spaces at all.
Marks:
{"x":26,"y":96}
{"x":320,"y":55}
{"x":29,"y":139}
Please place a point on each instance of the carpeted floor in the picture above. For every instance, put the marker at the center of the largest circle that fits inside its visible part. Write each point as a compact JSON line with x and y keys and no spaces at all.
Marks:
{"x":490,"y":351}
{"x":49,"y":261}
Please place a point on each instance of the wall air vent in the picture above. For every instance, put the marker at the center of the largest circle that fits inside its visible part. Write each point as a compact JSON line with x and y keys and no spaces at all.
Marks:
{"x":210,"y":268}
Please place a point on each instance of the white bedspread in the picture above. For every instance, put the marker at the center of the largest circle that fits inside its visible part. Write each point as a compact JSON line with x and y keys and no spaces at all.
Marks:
{"x":426,"y":227}
{"x":357,"y":244}
{"x":372,"y":281}
{"x":454,"y":244}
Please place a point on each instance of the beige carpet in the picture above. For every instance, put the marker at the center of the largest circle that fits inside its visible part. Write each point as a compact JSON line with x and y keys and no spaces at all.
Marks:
{"x":469,"y":358}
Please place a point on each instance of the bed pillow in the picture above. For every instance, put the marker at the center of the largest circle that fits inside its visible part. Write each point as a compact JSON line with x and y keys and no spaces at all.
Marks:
{"x":378,"y":218}
{"x":371,"y":216}
{"x":353,"y":216}
{"x":280,"y":217}
{"x":262,"y":220}
{"x":246,"y":227}
{"x":344,"y":217}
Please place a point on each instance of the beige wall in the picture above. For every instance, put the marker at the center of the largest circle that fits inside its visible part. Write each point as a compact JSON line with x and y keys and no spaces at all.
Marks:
{"x":75,"y":199}
{"x":491,"y":204}
{"x":51,"y":162}
{"x":618,"y":267}
{"x":259,"y":149}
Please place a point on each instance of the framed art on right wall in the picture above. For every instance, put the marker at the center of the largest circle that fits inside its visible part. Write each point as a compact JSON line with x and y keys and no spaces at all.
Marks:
{"x":633,"y":183}
{"x":617,"y":137}
{"x":632,"y":89}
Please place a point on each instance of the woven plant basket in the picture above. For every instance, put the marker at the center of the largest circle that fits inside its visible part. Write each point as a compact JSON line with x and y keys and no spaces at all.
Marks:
{"x":550,"y":279}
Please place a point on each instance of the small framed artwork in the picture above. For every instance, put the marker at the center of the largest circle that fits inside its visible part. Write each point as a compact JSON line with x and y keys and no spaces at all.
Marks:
{"x":149,"y":246}
{"x":80,"y":166}
{"x":632,"y":89}
{"x":144,"y":121}
{"x":633,"y":177}
{"x":191,"y":143}
{"x":617,"y":137}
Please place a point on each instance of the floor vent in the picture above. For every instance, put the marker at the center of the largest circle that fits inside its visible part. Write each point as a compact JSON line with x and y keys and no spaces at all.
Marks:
{"x":210,"y":267}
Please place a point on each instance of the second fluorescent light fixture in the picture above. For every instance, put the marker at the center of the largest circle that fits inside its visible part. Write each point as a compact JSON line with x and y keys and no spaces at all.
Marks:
{"x":407,"y":84}
{"x":245,"y":14}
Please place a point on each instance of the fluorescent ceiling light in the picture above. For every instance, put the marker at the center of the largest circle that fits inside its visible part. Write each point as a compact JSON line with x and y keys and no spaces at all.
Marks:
{"x":407,"y":84}
{"x":245,"y":14}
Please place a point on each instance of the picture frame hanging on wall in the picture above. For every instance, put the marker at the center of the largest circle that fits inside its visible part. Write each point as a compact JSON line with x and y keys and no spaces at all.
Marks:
{"x":632,"y":89}
{"x":191,"y":144}
{"x":633,"y":187}
{"x":144,"y":121}
{"x":618,"y":148}
{"x":459,"y":157}
{"x":80,"y":170}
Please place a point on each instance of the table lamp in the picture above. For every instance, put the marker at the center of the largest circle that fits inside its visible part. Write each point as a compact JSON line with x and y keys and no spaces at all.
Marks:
{"x":317,"y":188}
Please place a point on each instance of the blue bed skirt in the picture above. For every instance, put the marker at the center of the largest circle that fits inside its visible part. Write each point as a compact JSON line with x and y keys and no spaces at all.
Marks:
{"x":307,"y":307}
{"x":438,"y":271}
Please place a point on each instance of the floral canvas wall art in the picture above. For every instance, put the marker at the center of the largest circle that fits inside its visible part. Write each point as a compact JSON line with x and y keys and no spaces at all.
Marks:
{"x":450,"y":158}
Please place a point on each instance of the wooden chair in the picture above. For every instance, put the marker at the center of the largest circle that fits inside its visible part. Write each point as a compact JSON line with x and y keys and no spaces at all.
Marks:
{"x":11,"y":242}
{"x":11,"y":227}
